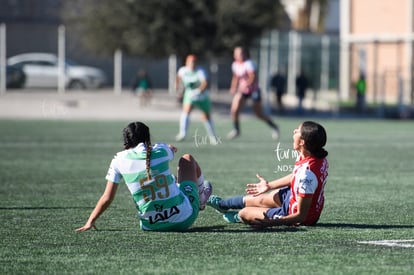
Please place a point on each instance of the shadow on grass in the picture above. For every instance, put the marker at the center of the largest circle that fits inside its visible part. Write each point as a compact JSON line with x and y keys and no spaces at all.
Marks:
{"x":244,"y":228}
{"x":108,"y":230}
{"x":44,"y":208}
{"x":363,"y":226}
{"x":211,"y":229}
{"x":241,"y":228}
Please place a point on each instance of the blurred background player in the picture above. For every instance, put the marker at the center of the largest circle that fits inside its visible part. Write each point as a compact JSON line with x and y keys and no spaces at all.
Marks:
{"x":194,"y":81}
{"x":142,"y":87}
{"x":243,"y":86}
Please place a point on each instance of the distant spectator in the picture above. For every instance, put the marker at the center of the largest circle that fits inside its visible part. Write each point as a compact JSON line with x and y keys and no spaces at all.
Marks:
{"x":301,"y":87}
{"x":142,"y":87}
{"x":278,"y":85}
{"x":360,"y":86}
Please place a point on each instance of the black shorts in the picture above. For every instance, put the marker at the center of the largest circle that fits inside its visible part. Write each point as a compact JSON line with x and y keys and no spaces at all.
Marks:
{"x":284,"y":197}
{"x":256,"y":96}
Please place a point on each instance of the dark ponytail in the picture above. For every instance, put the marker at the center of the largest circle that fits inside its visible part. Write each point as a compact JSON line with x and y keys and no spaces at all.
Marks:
{"x":245,"y":52}
{"x":315,"y":138}
{"x":134,"y":134}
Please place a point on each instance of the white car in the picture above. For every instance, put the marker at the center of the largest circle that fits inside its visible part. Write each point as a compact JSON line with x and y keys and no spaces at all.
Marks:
{"x":41,"y":70}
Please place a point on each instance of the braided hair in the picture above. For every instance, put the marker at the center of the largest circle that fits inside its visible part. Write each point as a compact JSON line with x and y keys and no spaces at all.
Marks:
{"x":314,"y":136}
{"x":134,"y":134}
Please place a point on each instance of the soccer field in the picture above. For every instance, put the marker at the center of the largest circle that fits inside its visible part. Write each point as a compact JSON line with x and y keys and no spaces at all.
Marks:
{"x":53,"y":173}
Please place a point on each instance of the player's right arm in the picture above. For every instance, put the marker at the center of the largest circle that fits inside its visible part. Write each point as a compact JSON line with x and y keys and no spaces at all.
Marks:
{"x":102,"y":204}
{"x":179,"y":89}
{"x":177,"y":82}
{"x":251,"y":73}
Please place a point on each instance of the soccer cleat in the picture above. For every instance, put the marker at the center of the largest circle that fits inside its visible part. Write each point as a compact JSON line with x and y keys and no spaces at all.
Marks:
{"x":275,"y":134}
{"x":214,"y":201}
{"x":179,"y":137}
{"x":233,"y":134}
{"x":214,"y":140}
{"x":232,"y":217}
{"x":204,"y":191}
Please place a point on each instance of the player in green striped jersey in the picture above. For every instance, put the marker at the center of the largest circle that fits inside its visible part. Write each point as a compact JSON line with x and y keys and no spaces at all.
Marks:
{"x":196,"y":95}
{"x":163,"y":202}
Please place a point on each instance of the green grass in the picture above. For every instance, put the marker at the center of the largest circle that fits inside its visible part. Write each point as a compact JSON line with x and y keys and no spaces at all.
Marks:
{"x":52,"y":174}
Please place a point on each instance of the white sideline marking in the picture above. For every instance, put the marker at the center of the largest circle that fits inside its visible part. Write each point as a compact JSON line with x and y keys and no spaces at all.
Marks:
{"x":398,"y":243}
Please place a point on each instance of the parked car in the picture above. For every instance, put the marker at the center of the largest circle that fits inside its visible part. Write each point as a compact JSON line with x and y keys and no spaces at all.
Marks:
{"x":41,"y":70}
{"x":15,"y":77}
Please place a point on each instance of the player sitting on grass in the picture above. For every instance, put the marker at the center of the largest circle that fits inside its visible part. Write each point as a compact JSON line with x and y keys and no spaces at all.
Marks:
{"x":295,"y":199}
{"x":163,"y":204}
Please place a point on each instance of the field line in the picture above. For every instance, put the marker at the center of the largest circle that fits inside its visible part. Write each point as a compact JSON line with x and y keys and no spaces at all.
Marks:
{"x":393,"y":243}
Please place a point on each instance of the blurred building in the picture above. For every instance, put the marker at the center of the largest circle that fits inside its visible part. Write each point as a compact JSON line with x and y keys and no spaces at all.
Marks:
{"x":377,"y":41}
{"x":316,"y":16}
{"x":310,"y":45}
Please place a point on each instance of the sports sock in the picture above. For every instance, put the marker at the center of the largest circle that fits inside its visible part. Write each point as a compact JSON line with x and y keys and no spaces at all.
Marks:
{"x":209,"y":128}
{"x":272,"y":124}
{"x":232,"y":203}
{"x":236,"y":126}
{"x":184,"y":121}
{"x":200,"y":180}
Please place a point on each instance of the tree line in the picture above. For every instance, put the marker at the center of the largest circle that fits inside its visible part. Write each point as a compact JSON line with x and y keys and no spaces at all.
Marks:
{"x":158,"y":28}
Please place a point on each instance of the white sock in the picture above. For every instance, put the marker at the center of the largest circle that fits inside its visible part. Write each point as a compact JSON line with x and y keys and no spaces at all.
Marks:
{"x":200,"y":180}
{"x":184,"y":121}
{"x":209,"y":128}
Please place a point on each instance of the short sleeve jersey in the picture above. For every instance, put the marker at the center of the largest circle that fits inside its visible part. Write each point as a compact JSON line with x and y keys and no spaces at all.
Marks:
{"x":309,"y":178}
{"x":191,"y":79}
{"x":159,"y":201}
{"x":241,"y":70}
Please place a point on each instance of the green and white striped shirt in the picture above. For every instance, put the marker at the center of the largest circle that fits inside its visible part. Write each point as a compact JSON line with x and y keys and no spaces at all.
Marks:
{"x":191,"y":80}
{"x":159,"y":201}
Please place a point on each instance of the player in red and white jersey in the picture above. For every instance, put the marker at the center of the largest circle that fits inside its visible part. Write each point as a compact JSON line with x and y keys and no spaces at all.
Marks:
{"x":308,"y":180}
{"x":297,"y":198}
{"x":244,"y":86}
